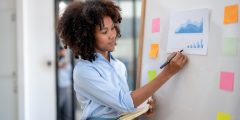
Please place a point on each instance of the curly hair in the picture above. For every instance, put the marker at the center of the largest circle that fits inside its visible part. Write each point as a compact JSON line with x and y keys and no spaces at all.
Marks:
{"x":77,"y":25}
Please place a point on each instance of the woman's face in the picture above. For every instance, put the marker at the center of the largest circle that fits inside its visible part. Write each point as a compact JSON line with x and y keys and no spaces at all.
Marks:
{"x":106,"y":37}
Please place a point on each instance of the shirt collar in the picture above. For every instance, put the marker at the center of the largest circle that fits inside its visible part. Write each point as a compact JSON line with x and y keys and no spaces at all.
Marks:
{"x":101,"y":57}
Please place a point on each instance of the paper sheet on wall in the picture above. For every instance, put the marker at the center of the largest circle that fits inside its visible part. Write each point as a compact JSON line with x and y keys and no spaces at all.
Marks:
{"x":189,"y":31}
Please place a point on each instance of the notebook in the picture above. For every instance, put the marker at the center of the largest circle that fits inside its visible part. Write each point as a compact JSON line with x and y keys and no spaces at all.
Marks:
{"x":143,"y":108}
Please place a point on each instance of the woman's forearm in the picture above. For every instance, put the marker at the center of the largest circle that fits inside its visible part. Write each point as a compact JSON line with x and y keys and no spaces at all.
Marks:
{"x":142,"y":94}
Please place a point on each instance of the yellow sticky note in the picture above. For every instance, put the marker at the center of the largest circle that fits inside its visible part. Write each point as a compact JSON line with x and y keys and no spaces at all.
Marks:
{"x":223,"y":116}
{"x":154,"y":51}
{"x":231,"y":14}
{"x":151,"y":75}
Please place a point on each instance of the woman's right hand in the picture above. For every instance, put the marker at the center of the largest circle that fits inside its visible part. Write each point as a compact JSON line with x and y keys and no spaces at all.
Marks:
{"x":176,"y":64}
{"x":143,"y":93}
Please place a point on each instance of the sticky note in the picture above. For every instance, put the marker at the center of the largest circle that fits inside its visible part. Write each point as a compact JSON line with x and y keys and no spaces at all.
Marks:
{"x":230,"y":46}
{"x":151,"y":75}
{"x":223,"y":116}
{"x":154,"y":51}
{"x":227,"y":81}
{"x":155,"y":25}
{"x":231,"y":14}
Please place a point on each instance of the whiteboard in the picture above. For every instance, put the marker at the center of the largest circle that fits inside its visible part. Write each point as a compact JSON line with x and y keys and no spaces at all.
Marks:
{"x":194,"y":93}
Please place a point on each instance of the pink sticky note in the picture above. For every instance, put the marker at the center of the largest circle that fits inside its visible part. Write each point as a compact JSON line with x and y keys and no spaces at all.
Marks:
{"x":155,"y":25}
{"x":227,"y":81}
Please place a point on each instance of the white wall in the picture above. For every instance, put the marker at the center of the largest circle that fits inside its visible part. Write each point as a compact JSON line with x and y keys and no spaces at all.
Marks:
{"x":36,"y":46}
{"x":8,"y":101}
{"x":194,"y":93}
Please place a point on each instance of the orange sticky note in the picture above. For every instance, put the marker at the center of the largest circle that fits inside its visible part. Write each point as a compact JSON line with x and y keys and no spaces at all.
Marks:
{"x":231,"y":14}
{"x":227,"y":81}
{"x":154,"y":51}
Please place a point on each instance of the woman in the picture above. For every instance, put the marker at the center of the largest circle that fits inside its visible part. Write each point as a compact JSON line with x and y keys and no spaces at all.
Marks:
{"x":90,"y":30}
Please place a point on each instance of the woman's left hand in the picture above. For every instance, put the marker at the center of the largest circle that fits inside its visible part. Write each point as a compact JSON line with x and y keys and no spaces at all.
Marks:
{"x":152,"y":106}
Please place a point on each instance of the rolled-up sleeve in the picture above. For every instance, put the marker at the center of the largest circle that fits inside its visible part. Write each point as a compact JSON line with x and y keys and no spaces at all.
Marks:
{"x":89,"y":81}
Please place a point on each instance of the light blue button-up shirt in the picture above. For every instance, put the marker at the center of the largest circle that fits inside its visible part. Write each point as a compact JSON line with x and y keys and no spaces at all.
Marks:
{"x":101,"y":88}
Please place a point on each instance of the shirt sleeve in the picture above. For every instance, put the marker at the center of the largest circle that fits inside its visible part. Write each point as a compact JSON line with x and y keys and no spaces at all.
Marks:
{"x":88,"y":80}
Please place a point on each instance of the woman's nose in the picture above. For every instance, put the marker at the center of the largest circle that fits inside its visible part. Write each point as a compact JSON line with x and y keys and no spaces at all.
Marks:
{"x":112,"y":35}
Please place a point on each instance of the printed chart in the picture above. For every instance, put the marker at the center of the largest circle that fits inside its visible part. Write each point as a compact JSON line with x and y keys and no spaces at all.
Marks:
{"x":189,"y":31}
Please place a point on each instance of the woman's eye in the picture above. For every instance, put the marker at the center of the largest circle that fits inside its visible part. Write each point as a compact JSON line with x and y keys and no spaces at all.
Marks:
{"x":104,"y":32}
{"x":113,"y":28}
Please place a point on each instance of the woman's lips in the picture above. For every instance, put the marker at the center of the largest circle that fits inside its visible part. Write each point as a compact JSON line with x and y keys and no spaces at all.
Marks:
{"x":113,"y":43}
